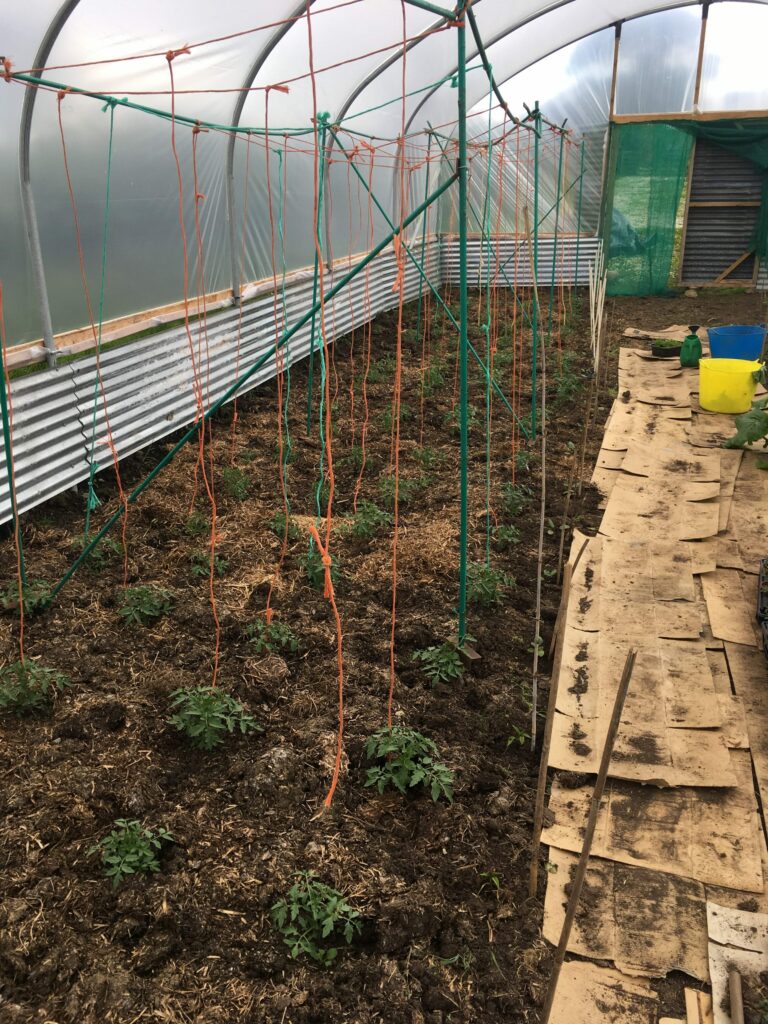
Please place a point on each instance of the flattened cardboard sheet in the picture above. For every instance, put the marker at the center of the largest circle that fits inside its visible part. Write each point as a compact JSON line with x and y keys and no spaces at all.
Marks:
{"x":709,"y":430}
{"x":730,"y":617}
{"x":646,"y":922}
{"x":673,"y":459}
{"x":586,"y":990}
{"x":750,"y":679}
{"x":669,"y":733}
{"x":730,"y":461}
{"x":709,"y":835}
{"x":749,"y":511}
{"x":737,"y":939}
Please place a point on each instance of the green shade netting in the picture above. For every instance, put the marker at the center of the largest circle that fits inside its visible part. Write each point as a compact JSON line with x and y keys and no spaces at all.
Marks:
{"x":647,"y":171}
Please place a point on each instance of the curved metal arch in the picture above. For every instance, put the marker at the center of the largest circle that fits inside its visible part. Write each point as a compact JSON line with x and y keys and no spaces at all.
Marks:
{"x":358,"y":91}
{"x":29,"y":212}
{"x":237,"y":113}
{"x":506,"y":32}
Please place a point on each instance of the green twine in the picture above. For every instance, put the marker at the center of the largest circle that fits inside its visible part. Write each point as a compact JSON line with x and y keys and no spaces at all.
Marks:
{"x":486,"y":328}
{"x":323,"y":121}
{"x":286,"y":402}
{"x":93,"y":501}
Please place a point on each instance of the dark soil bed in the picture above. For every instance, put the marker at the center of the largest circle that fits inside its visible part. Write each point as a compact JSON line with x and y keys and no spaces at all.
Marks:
{"x":450,"y":934}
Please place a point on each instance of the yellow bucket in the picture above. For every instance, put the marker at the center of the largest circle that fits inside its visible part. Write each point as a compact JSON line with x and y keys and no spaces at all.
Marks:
{"x":727,"y":385}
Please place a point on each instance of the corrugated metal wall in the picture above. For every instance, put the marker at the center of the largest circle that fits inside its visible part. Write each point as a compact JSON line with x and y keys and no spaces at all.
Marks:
{"x":148,"y":384}
{"x":718,"y":231}
{"x":512,"y":254}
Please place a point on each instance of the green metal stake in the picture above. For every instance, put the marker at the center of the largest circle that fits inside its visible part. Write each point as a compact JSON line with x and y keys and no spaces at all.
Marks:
{"x":241,"y":380}
{"x":463,"y":170}
{"x":578,"y":214}
{"x":11,"y":480}
{"x":554,"y":243}
{"x":323,"y":119}
{"x":535,"y":267}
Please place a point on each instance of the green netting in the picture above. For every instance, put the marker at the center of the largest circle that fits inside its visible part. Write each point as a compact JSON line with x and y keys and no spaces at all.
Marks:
{"x":647,"y":170}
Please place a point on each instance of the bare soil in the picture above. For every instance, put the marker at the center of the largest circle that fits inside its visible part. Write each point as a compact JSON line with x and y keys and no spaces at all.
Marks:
{"x":450,"y":934}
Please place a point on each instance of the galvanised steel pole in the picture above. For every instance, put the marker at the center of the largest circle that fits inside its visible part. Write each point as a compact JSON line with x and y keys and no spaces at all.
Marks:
{"x":463,"y":171}
{"x":535,"y":267}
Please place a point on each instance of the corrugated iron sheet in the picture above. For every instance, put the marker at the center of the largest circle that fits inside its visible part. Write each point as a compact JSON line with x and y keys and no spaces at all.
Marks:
{"x":716,"y":236}
{"x":512,"y":254}
{"x":147,"y":390}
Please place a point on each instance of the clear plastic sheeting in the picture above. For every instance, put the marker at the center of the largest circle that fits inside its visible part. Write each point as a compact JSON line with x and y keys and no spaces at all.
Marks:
{"x":657,"y":62}
{"x":120,"y":49}
{"x":734,"y":57}
{"x":573,"y":87}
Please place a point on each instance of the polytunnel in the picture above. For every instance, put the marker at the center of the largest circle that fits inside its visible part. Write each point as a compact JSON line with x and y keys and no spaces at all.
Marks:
{"x":341,"y":498}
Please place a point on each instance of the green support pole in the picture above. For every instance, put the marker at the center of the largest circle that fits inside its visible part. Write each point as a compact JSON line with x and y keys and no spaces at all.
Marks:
{"x":11,"y":479}
{"x":323,"y":118}
{"x":243,"y":379}
{"x":578,"y":214}
{"x":463,"y":170}
{"x":440,"y":300}
{"x":535,"y":267}
{"x":554,"y":243}
{"x":423,"y":227}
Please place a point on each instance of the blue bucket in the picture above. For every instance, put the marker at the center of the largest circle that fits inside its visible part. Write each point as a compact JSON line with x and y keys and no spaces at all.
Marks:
{"x":737,"y":341}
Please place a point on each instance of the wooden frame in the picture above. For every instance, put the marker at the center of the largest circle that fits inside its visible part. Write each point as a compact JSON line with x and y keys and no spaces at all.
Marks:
{"x":700,"y":58}
{"x":677,"y":115}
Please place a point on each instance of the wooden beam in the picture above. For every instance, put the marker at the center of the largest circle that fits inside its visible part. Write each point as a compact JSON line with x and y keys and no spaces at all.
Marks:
{"x":733,"y":266}
{"x":676,"y":115}
{"x":689,"y":180}
{"x":725,"y":202}
{"x":700,"y":59}
{"x":615,"y":71}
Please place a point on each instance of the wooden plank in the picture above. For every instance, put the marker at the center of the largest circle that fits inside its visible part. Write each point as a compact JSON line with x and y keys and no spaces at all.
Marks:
{"x":725,"y":202}
{"x":700,"y":57}
{"x":676,"y":115}
{"x":614,"y":72}
{"x":698,"y":1007}
{"x":733,"y":266}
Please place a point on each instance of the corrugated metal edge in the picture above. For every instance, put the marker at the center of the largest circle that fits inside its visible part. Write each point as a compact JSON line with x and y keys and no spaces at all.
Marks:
{"x":148,"y":384}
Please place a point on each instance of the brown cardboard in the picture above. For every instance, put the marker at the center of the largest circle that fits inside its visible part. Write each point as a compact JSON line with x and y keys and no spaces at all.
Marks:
{"x":709,"y":835}
{"x":646,"y":922}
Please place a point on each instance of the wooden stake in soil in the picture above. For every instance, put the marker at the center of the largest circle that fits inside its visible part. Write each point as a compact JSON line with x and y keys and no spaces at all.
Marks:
{"x":540,"y":560}
{"x":736,"y":996}
{"x":589,"y":834}
{"x":538,"y":815}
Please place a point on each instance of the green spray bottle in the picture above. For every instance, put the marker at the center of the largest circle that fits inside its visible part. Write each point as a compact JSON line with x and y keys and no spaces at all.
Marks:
{"x":690,"y":350}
